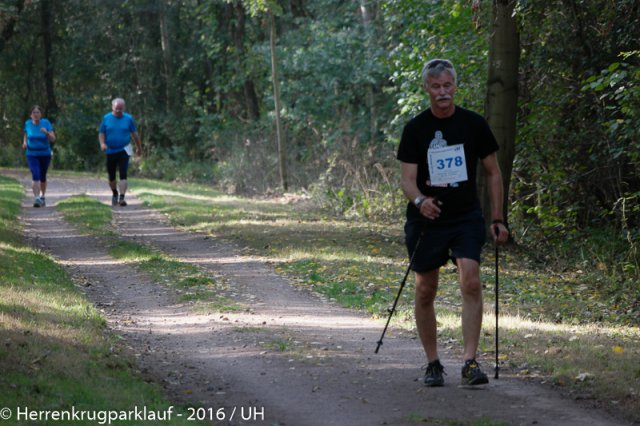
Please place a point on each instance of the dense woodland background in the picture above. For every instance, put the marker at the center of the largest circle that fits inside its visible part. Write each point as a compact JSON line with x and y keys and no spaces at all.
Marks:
{"x":197,"y":76}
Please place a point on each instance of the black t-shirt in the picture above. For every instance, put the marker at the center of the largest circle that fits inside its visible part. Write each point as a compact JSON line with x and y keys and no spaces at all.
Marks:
{"x":465,"y":128}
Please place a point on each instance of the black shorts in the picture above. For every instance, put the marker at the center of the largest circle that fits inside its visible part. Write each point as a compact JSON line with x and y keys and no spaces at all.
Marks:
{"x":117,"y":161}
{"x":460,"y":238}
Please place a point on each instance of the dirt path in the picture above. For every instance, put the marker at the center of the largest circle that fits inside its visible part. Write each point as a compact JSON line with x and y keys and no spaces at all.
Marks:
{"x":328,"y":376}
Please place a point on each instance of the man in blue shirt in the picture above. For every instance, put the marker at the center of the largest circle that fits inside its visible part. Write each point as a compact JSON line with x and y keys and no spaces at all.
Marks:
{"x":116,"y":130}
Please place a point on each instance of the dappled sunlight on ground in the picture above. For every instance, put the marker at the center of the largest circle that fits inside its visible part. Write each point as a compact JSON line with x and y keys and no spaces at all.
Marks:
{"x":280,"y":343}
{"x":523,"y":324}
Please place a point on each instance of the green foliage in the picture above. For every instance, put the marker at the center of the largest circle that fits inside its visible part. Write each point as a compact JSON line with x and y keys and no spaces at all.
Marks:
{"x":197,"y":79}
{"x":360,"y":174}
{"x":576,"y":170}
{"x":76,"y":146}
{"x":175,"y":163}
{"x":190,"y":87}
{"x":445,"y":30}
{"x":256,"y":7}
{"x":372,"y":193}
{"x":564,"y":149}
{"x":618,"y":91}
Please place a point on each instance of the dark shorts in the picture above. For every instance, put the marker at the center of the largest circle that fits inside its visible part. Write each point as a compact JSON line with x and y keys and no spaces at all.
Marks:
{"x":120,"y":162}
{"x":462,"y":238}
{"x":38,"y":165}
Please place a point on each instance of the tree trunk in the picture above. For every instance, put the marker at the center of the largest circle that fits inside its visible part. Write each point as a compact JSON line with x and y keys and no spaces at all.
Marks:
{"x":502,"y":94}
{"x":8,"y":25}
{"x":251,"y":100}
{"x":47,"y":36}
{"x":238,"y":34}
{"x":276,"y":99}
{"x":367,"y":18}
{"x":166,"y":56}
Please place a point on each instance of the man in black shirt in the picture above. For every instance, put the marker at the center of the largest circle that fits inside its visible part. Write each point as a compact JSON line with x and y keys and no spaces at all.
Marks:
{"x":439,"y":153}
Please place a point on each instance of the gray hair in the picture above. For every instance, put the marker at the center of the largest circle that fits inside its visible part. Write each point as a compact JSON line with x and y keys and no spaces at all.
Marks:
{"x":117,"y":100}
{"x":435,"y":67}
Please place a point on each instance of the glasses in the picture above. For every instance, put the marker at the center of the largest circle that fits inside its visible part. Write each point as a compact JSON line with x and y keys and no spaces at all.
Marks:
{"x":437,"y":62}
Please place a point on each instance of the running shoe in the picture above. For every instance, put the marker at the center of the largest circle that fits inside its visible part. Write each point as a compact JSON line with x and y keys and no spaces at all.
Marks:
{"x":122,"y":202}
{"x":43,"y":202}
{"x":433,"y":375}
{"x":114,"y":200}
{"x":472,"y":375}
{"x":38,"y":202}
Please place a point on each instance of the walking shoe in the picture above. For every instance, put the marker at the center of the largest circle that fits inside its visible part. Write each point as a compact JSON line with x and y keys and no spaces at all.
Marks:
{"x":122,"y":202}
{"x":114,"y":200}
{"x":38,"y":202}
{"x":433,"y":375}
{"x":472,"y":375}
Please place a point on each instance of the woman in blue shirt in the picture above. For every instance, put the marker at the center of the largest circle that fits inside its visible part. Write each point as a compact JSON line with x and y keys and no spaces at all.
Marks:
{"x":38,"y":137}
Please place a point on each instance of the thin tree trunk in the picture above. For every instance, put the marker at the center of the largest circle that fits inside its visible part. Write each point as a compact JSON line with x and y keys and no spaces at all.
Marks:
{"x":502,"y":93}
{"x":166,"y":56}
{"x":365,"y":12}
{"x":52,"y":106}
{"x":248,"y":87}
{"x":276,"y":98}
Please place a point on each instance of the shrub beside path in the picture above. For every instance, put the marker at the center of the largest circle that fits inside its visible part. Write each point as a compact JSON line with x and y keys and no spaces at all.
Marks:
{"x":289,"y":357}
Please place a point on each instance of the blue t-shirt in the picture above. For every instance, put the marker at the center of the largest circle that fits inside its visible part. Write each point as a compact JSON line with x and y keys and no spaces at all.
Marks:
{"x":117,"y":131}
{"x":37,"y":141}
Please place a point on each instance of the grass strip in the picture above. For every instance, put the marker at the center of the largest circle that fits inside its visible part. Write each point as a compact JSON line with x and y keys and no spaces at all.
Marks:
{"x":56,"y":354}
{"x":192,"y":284}
{"x":87,"y":214}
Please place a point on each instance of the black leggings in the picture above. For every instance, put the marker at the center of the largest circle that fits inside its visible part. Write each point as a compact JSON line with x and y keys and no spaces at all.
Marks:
{"x":118,"y":161}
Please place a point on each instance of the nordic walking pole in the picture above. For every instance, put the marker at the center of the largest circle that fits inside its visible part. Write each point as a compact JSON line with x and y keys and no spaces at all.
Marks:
{"x":497,"y":231}
{"x":404,"y":280}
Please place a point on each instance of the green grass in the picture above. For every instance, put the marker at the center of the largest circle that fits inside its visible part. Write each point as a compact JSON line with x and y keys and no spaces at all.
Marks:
{"x":56,"y":353}
{"x":190,"y":282}
{"x":279,"y":345}
{"x":88,"y":214}
{"x":554,"y":325}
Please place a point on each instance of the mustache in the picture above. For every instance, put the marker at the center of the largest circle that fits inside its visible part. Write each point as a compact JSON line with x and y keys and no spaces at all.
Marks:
{"x":443,"y":97}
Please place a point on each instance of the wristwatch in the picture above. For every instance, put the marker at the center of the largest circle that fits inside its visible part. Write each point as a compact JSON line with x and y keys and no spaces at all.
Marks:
{"x":419,"y":200}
